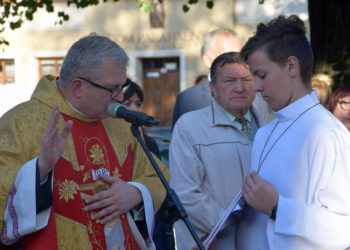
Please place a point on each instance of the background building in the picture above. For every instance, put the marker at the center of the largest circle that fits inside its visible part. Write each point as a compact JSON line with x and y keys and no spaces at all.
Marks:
{"x":164,"y":47}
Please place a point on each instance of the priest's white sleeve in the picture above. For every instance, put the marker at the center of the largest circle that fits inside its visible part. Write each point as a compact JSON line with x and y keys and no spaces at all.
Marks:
{"x":148,"y":206}
{"x":20,"y":217}
{"x":146,"y":213}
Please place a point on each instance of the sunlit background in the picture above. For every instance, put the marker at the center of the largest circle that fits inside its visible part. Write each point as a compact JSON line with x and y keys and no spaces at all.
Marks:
{"x":164,"y":47}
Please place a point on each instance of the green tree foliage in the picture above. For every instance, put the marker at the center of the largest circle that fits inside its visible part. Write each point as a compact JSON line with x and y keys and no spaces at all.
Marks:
{"x":329,"y":25}
{"x":13,"y":13}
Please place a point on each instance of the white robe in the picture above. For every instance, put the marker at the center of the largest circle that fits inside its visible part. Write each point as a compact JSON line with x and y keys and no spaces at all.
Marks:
{"x":307,"y":159}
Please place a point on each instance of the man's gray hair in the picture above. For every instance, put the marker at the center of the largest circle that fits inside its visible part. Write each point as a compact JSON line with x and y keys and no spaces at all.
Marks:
{"x":211,"y":36}
{"x":84,"y":57}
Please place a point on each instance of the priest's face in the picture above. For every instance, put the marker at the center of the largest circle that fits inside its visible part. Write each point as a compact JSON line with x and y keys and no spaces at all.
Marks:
{"x":233,"y":88}
{"x":106,"y":88}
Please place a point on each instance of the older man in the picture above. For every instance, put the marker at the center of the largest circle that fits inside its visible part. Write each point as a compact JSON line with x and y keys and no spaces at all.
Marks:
{"x":210,"y":150}
{"x":74,"y":188}
{"x":199,"y":96}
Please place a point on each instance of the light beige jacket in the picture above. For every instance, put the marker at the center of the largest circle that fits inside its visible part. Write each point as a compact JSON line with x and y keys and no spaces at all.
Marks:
{"x":209,"y":158}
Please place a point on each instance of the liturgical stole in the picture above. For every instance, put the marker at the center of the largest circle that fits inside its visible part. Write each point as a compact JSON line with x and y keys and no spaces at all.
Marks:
{"x":96,"y":158}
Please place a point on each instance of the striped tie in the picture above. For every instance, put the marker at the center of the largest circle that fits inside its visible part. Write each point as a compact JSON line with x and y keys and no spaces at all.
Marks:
{"x":245,"y":126}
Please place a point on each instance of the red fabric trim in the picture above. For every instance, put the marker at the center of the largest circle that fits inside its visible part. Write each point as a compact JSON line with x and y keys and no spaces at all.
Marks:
{"x":93,"y":151}
{"x":44,"y":238}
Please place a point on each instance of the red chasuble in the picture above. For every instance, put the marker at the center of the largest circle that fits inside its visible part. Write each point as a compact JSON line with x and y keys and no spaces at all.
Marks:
{"x":96,"y":158}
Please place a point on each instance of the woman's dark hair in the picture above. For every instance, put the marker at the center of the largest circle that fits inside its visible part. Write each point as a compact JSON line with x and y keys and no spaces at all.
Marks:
{"x":132,"y":88}
{"x":337,"y":94}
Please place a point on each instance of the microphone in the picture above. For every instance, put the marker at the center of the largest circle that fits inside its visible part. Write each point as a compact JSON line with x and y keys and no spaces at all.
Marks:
{"x":118,"y":110}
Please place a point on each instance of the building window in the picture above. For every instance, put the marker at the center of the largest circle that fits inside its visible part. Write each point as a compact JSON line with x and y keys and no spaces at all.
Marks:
{"x":157,"y":16}
{"x":7,"y":71}
{"x":50,"y":66}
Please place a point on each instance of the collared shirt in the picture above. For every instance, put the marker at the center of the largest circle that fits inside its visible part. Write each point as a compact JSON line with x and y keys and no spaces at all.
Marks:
{"x":236,"y":123}
{"x":252,"y":123}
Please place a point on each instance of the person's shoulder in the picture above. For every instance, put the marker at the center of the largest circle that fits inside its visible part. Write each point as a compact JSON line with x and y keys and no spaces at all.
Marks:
{"x":193,"y":98}
{"x":325,"y":127}
{"x":322,"y":116}
{"x":194,"y":117}
{"x":24,"y":110}
{"x":27,"y":120}
{"x":324,"y":119}
{"x":119,"y":131}
{"x":202,"y":86}
{"x":320,"y":124}
{"x":118,"y":124}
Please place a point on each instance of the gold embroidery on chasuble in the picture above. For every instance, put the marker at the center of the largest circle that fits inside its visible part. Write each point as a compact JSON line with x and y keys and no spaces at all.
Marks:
{"x":95,"y":153}
{"x":71,"y":235}
{"x":67,"y":190}
{"x":122,"y":144}
{"x":70,"y":224}
{"x":86,"y":176}
{"x":96,"y":160}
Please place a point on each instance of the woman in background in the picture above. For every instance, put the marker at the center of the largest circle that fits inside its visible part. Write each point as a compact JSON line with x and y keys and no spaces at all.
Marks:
{"x":133,"y":99}
{"x":162,"y":234}
{"x":339,"y":104}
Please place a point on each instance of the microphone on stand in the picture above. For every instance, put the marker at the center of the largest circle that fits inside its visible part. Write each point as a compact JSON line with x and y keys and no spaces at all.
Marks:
{"x":173,"y":209}
{"x":118,"y":110}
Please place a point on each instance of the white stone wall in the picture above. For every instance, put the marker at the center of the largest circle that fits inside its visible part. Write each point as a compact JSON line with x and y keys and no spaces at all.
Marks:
{"x":124,"y":23}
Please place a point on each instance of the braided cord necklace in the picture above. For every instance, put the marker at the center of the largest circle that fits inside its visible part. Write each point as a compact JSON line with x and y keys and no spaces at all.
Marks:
{"x":261,"y":161}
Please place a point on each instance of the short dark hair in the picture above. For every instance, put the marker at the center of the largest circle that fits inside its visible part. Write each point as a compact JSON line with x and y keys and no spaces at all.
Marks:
{"x":281,"y":38}
{"x":220,"y":61}
{"x":337,"y":94}
{"x":132,"y":88}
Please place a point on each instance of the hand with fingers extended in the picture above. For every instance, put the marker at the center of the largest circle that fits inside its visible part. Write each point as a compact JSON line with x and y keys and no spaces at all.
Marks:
{"x":54,"y":143}
{"x":259,"y":194}
{"x":113,"y":202}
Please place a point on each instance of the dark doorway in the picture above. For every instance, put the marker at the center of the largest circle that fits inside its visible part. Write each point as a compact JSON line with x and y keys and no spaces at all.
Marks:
{"x":160,"y":81}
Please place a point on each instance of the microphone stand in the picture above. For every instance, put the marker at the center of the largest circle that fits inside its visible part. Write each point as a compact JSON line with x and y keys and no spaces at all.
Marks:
{"x":177,"y":206}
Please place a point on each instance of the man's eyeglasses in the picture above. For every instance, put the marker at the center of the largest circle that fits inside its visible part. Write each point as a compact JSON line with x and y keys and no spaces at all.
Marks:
{"x":345,"y":105}
{"x":114,"y":91}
